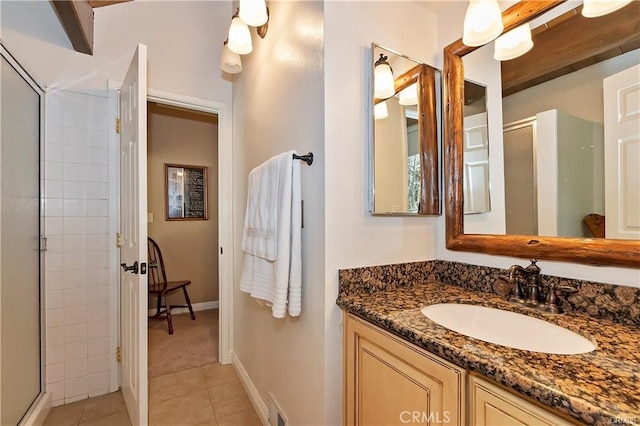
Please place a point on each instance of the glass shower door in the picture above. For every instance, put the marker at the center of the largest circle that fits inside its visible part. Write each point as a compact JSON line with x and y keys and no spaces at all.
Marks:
{"x":20,"y":314}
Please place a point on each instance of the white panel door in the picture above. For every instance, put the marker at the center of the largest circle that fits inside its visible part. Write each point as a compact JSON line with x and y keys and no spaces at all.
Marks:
{"x":622,"y":154}
{"x":476,"y":164}
{"x":133,"y":231}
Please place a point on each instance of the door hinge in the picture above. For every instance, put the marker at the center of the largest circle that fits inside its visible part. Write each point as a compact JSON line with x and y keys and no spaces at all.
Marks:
{"x":118,"y":125}
{"x":118,"y":240}
{"x":43,"y":243}
{"x":118,"y":354}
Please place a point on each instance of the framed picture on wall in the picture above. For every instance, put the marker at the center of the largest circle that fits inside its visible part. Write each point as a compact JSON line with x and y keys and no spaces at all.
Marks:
{"x":185,"y":192}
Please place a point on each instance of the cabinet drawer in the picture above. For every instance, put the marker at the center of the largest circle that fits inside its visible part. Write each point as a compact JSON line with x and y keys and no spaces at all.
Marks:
{"x":490,"y":405}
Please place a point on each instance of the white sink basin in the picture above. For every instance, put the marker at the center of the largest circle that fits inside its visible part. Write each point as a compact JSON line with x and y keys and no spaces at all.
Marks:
{"x":508,"y":329}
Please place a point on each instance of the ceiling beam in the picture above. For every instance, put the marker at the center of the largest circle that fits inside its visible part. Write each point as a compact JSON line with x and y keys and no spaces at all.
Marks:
{"x":101,"y":3}
{"x":76,"y":17}
{"x":571,"y":42}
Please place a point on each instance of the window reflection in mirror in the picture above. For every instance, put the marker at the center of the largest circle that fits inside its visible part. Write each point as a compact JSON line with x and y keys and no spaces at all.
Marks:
{"x":549,"y":176}
{"x":406,"y":136}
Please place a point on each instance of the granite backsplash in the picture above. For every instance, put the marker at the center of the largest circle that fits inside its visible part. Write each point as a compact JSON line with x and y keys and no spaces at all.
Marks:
{"x":614,"y":302}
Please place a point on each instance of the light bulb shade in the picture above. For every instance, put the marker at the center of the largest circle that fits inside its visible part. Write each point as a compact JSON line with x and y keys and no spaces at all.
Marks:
{"x":230,"y":61}
{"x":253,"y":12}
{"x":239,"y":37}
{"x":515,"y":43}
{"x":383,"y":81}
{"x":482,"y":22}
{"x":409,"y":95}
{"x":380,"y":111}
{"x":595,"y":8}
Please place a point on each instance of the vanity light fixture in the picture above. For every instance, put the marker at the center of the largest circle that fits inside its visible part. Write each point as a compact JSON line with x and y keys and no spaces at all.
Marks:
{"x":409,"y":95}
{"x":230,"y":62}
{"x":239,"y":36}
{"x":514,"y":43}
{"x":239,"y":39}
{"x":595,"y":8}
{"x":383,"y":81}
{"x":380,"y":111}
{"x":253,"y":12}
{"x":482,"y":22}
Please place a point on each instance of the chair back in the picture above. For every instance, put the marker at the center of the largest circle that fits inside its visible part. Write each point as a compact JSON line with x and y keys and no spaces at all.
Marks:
{"x":156,"y":272}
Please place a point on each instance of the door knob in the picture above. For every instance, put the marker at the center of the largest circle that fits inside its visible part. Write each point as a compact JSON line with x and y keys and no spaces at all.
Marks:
{"x":133,"y":268}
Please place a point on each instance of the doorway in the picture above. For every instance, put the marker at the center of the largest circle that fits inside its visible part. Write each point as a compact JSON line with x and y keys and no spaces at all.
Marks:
{"x":225,"y":221}
{"x":183,"y":139}
{"x":520,"y":179}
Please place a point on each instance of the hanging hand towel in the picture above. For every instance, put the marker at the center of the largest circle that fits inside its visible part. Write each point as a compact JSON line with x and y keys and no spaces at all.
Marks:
{"x":272,"y":266}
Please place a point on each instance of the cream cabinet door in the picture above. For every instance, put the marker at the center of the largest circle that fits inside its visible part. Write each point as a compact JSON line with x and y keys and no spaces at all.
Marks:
{"x":391,"y":382}
{"x":490,"y":405}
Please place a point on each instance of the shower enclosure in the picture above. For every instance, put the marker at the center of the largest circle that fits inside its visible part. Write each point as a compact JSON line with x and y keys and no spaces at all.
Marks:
{"x":21,"y":118}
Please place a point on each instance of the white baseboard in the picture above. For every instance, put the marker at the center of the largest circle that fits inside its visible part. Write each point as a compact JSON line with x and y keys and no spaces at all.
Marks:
{"x":258,"y":404}
{"x":203,"y":306}
{"x":38,"y":411}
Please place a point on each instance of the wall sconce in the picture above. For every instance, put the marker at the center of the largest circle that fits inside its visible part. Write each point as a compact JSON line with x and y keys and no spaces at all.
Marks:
{"x":250,"y":12}
{"x":514,"y":43}
{"x":380,"y":110}
{"x":239,"y":39}
{"x":253,"y":12}
{"x":482,"y":22}
{"x":409,"y":95}
{"x":383,"y":81}
{"x":230,"y":61}
{"x":595,"y":8}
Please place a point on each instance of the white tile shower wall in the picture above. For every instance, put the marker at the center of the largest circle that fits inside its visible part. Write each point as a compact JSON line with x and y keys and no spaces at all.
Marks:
{"x":76,"y":226}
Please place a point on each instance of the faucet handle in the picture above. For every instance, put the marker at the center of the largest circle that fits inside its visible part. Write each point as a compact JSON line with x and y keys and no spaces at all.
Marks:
{"x":551,"y":303}
{"x":533,"y":267}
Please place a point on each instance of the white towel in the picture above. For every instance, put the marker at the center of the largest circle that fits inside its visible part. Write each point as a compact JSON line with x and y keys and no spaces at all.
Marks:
{"x":272,"y":267}
{"x":265,"y":192}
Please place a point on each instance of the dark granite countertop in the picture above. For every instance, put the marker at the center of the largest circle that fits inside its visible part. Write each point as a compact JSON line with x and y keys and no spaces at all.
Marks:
{"x":598,"y":388}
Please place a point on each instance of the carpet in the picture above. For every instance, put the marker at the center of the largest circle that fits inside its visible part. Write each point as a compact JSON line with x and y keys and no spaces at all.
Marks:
{"x":192,"y":344}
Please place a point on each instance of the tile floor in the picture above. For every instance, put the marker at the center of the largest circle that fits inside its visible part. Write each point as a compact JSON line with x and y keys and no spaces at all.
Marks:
{"x":209,"y":395}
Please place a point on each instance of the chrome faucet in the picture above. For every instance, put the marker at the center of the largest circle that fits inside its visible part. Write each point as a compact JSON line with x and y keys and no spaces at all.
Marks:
{"x":529,"y":293}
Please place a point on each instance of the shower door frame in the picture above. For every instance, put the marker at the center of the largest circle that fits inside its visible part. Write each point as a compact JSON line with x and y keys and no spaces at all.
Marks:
{"x":39,"y":408}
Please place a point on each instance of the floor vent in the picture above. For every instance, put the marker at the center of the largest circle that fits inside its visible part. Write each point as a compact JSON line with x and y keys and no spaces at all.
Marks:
{"x":276,"y":416}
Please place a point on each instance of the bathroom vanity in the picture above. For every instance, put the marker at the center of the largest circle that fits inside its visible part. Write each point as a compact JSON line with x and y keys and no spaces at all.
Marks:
{"x":401,"y":367}
{"x":391,"y":381}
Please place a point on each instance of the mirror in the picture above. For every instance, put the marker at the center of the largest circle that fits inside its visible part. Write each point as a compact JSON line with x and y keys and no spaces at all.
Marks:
{"x":405,"y":124}
{"x":477,"y":189}
{"x":487,"y":232}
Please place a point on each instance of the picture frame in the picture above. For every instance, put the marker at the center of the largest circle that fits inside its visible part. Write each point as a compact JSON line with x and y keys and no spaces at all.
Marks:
{"x":185,"y":192}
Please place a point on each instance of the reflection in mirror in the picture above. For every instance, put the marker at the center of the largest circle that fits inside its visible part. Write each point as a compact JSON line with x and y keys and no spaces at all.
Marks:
{"x":477,"y":197}
{"x":406,"y":133}
{"x":552,"y":163}
{"x":562,"y":55}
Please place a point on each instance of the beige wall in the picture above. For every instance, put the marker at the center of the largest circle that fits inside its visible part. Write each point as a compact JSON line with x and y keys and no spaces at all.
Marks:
{"x":278,"y":106}
{"x":352,"y":236}
{"x":189,"y":247}
{"x":390,"y":176}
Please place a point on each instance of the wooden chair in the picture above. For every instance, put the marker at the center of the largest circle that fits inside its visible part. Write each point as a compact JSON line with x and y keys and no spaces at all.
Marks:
{"x":161,"y":288}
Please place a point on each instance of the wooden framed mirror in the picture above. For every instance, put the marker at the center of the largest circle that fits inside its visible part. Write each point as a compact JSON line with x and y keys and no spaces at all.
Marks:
{"x":597,"y":251}
{"x":406,"y":131}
